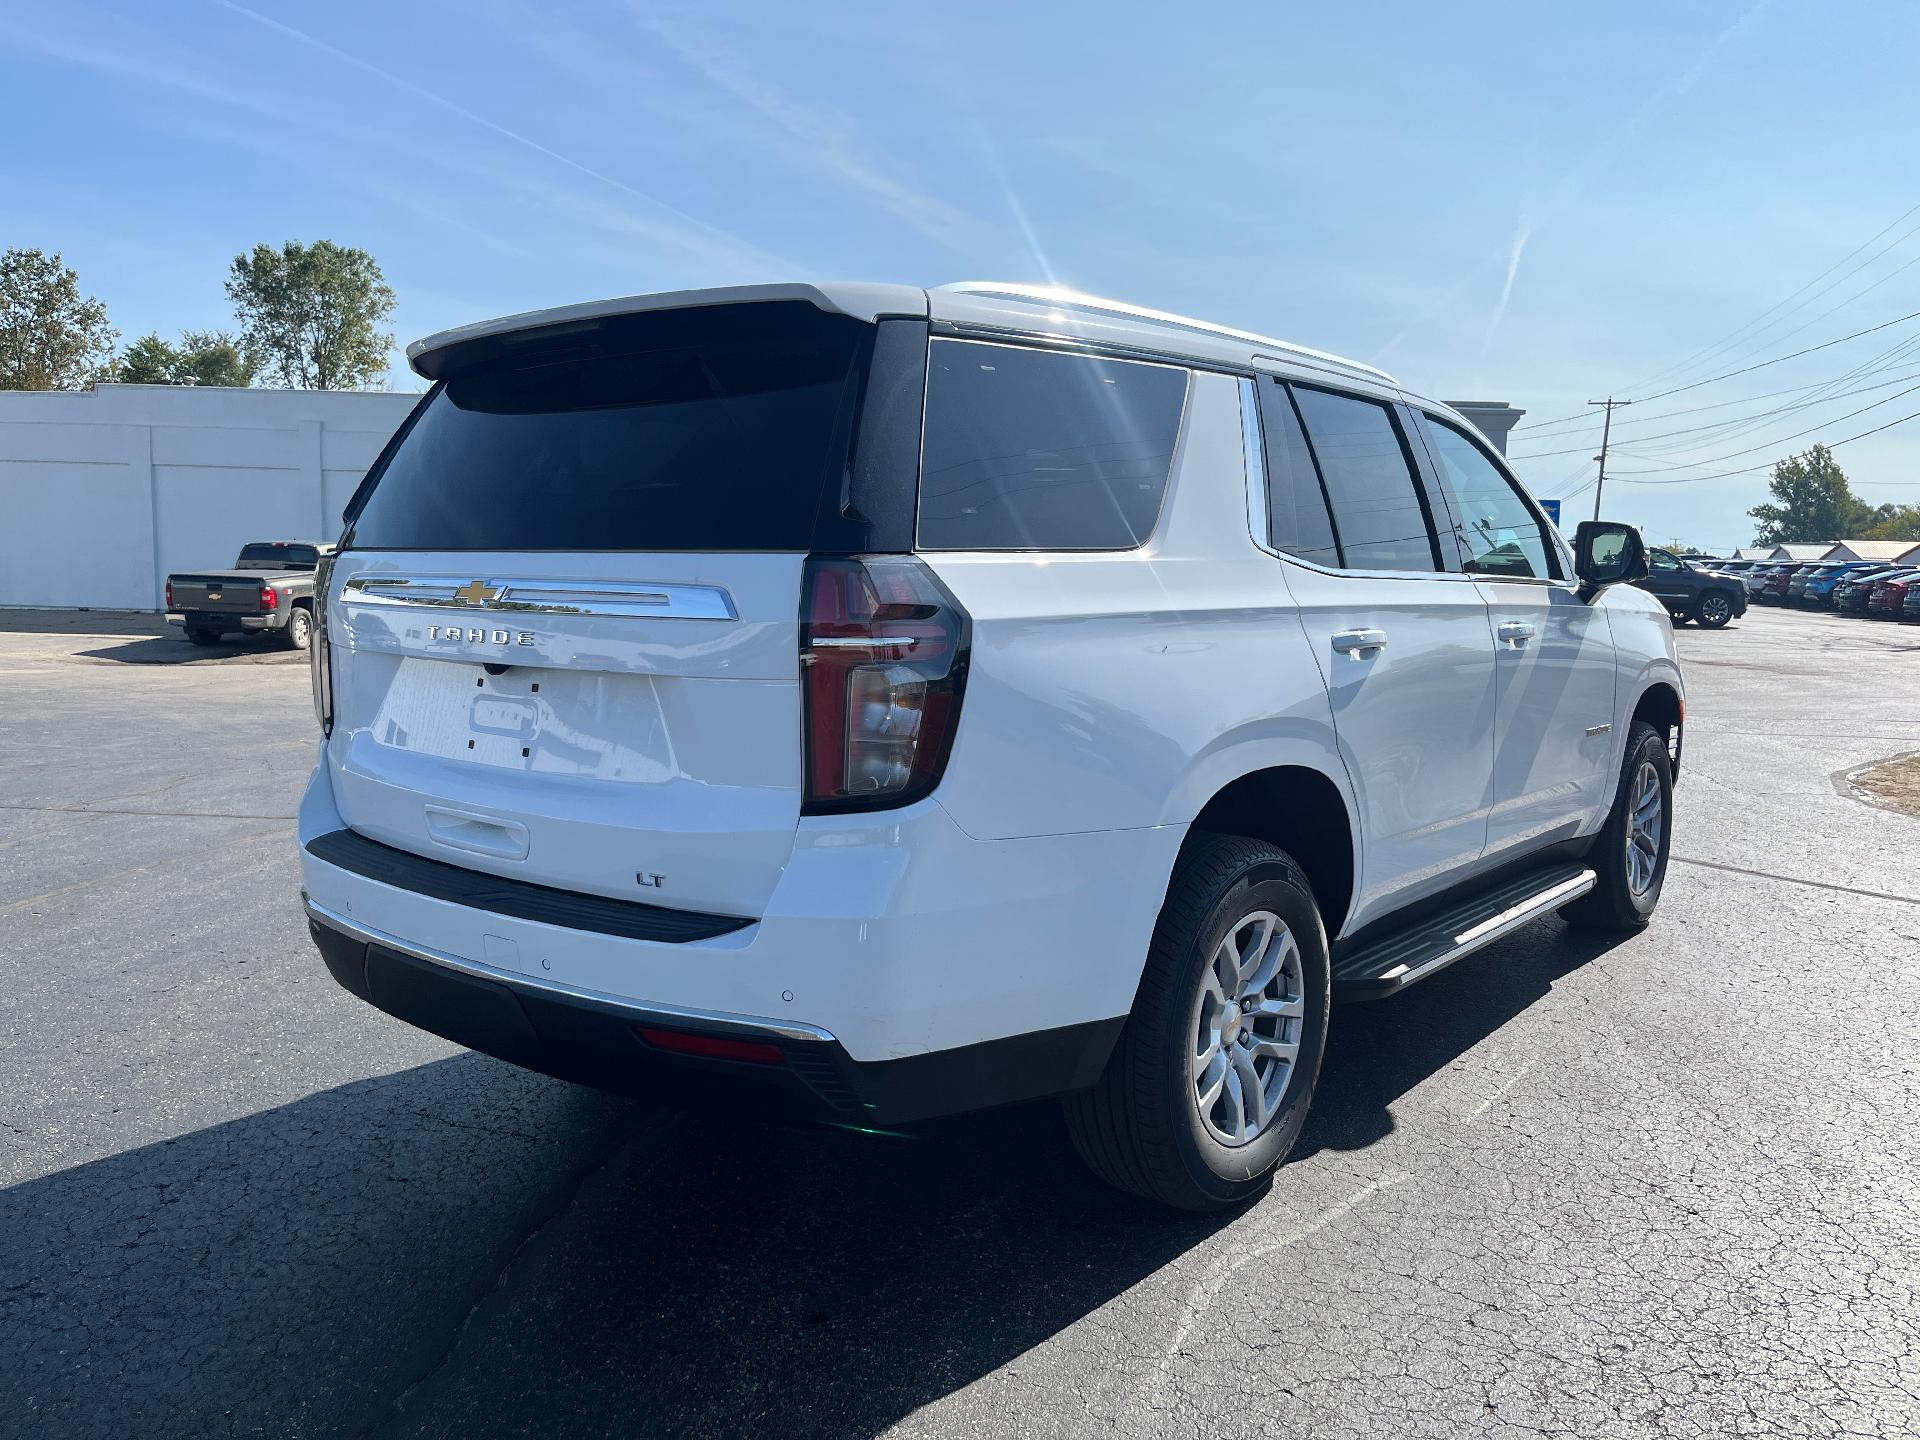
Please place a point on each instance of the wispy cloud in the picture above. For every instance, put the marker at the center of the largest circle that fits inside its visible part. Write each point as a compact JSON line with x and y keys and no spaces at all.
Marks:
{"x":828,"y":140}
{"x":699,"y":229}
{"x":1506,"y":289}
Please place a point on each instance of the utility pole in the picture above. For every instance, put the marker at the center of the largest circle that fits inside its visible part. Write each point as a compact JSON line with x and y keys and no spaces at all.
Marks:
{"x":1606,"y":433}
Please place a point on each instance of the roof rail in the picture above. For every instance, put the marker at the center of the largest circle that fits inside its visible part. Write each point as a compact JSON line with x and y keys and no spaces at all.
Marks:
{"x":1066,"y":299}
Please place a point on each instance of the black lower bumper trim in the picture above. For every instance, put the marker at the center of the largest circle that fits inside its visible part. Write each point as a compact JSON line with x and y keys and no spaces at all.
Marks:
{"x":629,"y":919}
{"x":599,"y":1043}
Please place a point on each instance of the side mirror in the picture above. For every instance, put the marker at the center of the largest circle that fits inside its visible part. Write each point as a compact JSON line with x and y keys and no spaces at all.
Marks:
{"x":1606,"y":553}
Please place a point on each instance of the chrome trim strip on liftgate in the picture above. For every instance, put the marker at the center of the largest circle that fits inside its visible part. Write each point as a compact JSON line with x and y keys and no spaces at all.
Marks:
{"x":636,"y":1010}
{"x":639,"y":599}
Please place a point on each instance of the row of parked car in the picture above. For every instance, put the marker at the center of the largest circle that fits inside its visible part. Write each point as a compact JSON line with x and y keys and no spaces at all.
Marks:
{"x":1855,"y":587}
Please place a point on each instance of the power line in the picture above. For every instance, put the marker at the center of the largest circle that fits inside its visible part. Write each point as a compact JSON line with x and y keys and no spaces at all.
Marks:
{"x":1759,"y":469}
{"x":1744,"y":370}
{"x":1787,"y":307}
{"x":1768,"y":445}
{"x":1739,"y":420}
{"x":1779,"y":359}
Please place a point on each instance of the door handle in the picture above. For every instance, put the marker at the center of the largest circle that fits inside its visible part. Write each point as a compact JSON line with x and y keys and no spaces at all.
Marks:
{"x":1358,"y":642}
{"x":1515,"y":632}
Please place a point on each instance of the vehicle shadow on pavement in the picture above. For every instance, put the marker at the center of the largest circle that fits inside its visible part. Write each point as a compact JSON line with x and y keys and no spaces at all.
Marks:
{"x":172,"y":650}
{"x":1378,"y":1051}
{"x":461,"y":1248}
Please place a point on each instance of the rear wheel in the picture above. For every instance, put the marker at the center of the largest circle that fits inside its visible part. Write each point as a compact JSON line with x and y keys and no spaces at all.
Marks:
{"x":300,"y":628}
{"x":200,"y":635}
{"x":1210,"y":1083}
{"x":1713,"y":610}
{"x":1629,"y":855}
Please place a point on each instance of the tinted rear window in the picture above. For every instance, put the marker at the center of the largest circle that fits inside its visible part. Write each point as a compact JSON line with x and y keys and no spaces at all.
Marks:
{"x":277,"y":557}
{"x":721,"y":428}
{"x":1038,"y":450}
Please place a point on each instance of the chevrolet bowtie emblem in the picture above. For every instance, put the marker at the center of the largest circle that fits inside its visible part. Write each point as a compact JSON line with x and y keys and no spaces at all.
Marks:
{"x":476,"y":592}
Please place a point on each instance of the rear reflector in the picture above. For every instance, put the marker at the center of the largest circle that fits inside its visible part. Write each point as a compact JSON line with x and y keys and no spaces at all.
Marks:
{"x":713,"y":1047}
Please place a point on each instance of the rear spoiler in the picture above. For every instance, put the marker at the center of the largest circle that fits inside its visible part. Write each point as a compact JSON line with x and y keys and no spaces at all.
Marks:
{"x":435,"y":355}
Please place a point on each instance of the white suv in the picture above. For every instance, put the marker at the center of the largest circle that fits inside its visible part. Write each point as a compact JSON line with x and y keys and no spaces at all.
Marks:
{"x":878,"y":703}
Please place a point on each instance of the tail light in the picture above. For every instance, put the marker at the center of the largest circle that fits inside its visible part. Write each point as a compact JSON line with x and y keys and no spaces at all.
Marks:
{"x":319,"y":661}
{"x":883,"y":662}
{"x":169,"y":594}
{"x":269,"y":598}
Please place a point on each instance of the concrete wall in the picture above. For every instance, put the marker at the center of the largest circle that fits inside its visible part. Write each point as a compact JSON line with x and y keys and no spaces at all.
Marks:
{"x":104,"y":492}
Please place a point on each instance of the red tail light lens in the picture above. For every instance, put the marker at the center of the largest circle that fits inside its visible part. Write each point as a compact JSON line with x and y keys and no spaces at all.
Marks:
{"x":269,"y":600}
{"x":169,"y":594}
{"x":883,"y":662}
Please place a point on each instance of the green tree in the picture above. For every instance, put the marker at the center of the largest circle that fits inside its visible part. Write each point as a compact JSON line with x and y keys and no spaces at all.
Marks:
{"x":203,"y":357}
{"x":312,"y":314}
{"x":1892,"y":522}
{"x":51,"y":336}
{"x":1815,"y":502}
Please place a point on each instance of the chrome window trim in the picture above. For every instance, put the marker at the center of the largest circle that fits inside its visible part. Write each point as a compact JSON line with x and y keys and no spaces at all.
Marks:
{"x":635,"y":1009}
{"x":612,"y":598}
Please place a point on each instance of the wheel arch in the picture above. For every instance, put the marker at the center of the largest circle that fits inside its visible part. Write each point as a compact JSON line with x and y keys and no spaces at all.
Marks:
{"x":1303,"y":811}
{"x":1662,"y":706}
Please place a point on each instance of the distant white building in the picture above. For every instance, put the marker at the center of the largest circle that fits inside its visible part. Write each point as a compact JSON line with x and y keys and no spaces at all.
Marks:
{"x":1495,"y":419}
{"x":1887,"y":552}
{"x":103,"y":492}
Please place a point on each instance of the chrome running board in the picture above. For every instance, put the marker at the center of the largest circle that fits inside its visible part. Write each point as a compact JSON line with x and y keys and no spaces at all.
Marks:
{"x":1428,"y":945}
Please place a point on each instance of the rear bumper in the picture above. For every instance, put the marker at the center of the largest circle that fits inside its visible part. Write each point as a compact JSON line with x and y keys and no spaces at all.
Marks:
{"x":929,"y":971}
{"x":797,"y":1070}
{"x":227,"y":620}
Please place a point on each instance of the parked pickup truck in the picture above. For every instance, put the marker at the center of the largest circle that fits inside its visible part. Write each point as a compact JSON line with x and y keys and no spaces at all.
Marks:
{"x":269,"y":588}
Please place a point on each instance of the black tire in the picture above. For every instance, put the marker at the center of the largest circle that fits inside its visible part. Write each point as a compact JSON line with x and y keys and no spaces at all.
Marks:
{"x":200,"y":635}
{"x":299,"y":631}
{"x":1140,"y":1128}
{"x":1713,"y":610}
{"x":1613,"y":907}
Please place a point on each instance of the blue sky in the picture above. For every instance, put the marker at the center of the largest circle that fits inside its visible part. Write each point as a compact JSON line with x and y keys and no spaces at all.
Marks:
{"x":1535,"y":203}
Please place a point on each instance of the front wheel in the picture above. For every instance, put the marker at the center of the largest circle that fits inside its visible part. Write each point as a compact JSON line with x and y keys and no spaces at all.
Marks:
{"x":1714,"y":610}
{"x":1629,"y":855}
{"x":1210,"y":1082}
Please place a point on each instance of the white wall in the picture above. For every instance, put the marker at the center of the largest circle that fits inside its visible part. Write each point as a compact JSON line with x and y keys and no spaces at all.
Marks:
{"x":105,"y":492}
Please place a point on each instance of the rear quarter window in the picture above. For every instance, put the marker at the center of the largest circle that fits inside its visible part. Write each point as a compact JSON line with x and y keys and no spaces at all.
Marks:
{"x":1029,"y":449}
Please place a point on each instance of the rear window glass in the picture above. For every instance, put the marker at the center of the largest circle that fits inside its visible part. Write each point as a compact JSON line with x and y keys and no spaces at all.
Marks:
{"x":1037,"y":450}
{"x":720,"y":428}
{"x":277,"y":557}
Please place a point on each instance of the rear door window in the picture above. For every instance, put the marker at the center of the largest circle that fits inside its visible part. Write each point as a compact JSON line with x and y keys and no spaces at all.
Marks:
{"x":1379,"y":512}
{"x":1298,"y":522}
{"x":717,"y":428}
{"x":1029,"y":449}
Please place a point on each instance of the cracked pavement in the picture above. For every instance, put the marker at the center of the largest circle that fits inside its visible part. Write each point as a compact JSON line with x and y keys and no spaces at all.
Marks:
{"x":1666,"y":1187}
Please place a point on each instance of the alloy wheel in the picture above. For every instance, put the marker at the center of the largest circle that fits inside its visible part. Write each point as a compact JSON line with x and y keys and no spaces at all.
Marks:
{"x":1246,"y":1028}
{"x":1645,"y":823}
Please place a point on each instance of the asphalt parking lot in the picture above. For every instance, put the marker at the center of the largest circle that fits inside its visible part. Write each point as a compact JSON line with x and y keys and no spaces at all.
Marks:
{"x":1667,"y":1188}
